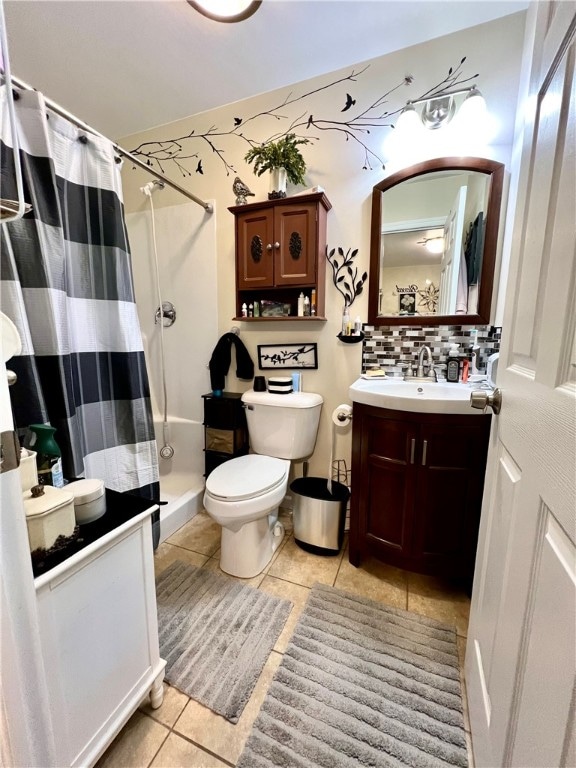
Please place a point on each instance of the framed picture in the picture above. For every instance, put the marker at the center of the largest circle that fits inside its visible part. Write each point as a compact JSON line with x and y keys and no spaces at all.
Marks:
{"x":406,"y":303}
{"x":283,"y":356}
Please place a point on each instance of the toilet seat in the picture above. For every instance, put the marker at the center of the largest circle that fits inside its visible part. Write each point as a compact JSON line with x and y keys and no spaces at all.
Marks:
{"x":247,"y":477}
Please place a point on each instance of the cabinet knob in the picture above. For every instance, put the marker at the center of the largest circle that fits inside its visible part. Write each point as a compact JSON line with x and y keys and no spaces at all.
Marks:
{"x":269,"y":247}
{"x":277,"y":245}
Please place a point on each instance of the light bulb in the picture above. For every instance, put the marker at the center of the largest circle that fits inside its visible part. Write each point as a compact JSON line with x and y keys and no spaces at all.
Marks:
{"x":473,"y":110}
{"x":408,"y":122}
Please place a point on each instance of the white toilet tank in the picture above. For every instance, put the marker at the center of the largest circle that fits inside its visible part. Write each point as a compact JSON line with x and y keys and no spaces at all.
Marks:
{"x":284,"y":426}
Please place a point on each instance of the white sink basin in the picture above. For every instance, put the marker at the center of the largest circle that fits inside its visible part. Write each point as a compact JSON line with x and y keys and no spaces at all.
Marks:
{"x":429,"y":397}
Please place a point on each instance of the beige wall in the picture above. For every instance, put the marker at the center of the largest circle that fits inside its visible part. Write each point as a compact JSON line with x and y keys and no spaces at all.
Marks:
{"x":493,"y":50}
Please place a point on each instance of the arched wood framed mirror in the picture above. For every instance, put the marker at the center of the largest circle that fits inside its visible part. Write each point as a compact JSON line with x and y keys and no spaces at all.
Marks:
{"x":433,"y":243}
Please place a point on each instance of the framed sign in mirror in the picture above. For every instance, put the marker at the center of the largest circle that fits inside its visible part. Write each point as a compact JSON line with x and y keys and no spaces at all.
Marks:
{"x":434,"y":235}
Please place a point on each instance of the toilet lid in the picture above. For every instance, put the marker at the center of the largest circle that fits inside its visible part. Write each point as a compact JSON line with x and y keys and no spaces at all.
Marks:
{"x":246,"y":477}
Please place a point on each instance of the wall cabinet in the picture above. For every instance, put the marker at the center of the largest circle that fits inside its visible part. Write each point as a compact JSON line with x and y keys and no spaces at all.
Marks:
{"x":417,"y":483}
{"x":280,"y":251}
{"x":225,"y":429}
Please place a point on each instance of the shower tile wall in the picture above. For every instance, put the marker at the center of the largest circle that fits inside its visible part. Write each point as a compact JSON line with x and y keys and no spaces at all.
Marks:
{"x":392,"y":347}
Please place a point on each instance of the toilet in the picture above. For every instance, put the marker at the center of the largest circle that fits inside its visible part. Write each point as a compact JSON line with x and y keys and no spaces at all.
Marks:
{"x":243,"y":494}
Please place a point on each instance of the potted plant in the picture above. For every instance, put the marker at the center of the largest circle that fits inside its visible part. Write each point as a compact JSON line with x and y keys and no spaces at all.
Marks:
{"x":284,"y":161}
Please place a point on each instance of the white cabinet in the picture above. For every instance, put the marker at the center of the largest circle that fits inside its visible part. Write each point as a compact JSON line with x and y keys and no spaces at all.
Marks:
{"x":99,"y":637}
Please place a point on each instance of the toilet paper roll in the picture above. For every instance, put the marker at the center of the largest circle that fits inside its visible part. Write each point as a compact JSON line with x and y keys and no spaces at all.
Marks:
{"x":342,"y":415}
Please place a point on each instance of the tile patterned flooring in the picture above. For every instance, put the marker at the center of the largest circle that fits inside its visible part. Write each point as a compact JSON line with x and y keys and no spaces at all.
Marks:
{"x":183,"y":733}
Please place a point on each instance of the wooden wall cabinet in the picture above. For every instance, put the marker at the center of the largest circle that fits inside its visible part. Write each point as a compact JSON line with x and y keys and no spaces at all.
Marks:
{"x":417,"y":483}
{"x":281,"y":251}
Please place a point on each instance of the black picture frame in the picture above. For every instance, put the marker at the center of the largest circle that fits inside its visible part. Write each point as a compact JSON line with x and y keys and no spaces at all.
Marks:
{"x":281,"y":357}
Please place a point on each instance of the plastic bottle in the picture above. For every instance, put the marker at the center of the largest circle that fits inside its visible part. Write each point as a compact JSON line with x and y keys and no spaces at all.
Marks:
{"x":453,"y":364}
{"x":301,"y":305}
{"x":313,"y":302}
{"x":244,"y":310}
{"x":256,"y":309}
{"x":475,"y":352}
{"x":250,"y":310}
{"x":357,"y":326}
{"x":48,"y":455}
{"x":346,"y":321}
{"x":306,"y":306}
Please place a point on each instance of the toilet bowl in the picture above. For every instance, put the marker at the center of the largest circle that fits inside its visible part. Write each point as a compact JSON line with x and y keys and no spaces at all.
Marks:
{"x":242,"y":496}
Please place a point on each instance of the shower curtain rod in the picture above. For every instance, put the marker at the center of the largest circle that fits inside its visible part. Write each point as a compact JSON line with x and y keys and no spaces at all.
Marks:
{"x":121,"y":151}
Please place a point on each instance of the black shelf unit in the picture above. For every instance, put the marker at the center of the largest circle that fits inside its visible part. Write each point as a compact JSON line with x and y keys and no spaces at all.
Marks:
{"x":225,"y":429}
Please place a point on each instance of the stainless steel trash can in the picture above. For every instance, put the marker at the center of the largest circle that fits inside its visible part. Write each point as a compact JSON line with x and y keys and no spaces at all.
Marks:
{"x":319,"y":516}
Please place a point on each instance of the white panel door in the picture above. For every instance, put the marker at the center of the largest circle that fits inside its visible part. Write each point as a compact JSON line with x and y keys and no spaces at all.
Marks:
{"x":450,"y":263}
{"x":521,"y":653}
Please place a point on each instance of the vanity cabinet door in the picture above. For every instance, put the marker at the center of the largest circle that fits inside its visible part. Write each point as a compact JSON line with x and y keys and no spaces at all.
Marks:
{"x":383,"y":500}
{"x":450,"y":482}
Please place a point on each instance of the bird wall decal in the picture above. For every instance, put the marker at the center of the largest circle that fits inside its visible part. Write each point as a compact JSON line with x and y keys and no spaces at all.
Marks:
{"x":349,"y":103}
{"x":241,"y":191}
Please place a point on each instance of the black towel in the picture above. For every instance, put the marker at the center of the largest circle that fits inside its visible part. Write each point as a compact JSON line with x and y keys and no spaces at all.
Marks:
{"x":221,"y":357}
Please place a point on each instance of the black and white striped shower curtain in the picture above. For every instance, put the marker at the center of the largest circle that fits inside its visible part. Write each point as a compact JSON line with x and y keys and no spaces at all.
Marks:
{"x":66,"y":283}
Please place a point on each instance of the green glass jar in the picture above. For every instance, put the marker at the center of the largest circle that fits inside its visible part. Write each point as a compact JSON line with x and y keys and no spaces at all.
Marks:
{"x":48,"y":455}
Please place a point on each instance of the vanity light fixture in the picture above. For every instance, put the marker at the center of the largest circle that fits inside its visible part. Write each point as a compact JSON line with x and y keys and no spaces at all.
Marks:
{"x":438,"y":110}
{"x":229,"y":11}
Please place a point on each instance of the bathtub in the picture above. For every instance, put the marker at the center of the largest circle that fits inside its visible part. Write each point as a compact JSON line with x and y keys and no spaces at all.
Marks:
{"x":182,"y":476}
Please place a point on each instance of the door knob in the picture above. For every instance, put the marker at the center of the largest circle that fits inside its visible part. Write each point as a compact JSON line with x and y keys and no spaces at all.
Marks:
{"x":482,"y":399}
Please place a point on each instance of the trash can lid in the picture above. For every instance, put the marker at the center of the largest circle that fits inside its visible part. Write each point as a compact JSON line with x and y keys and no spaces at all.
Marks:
{"x":247,"y":476}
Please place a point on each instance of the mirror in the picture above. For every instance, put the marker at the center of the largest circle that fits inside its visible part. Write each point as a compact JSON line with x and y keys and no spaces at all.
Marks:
{"x":433,"y":243}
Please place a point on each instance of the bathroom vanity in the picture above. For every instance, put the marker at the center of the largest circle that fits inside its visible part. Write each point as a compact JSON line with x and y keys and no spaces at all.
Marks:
{"x":99,"y":629}
{"x":417,"y":486}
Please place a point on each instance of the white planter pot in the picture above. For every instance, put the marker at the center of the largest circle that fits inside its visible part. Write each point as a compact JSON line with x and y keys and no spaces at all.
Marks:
{"x":277,"y":183}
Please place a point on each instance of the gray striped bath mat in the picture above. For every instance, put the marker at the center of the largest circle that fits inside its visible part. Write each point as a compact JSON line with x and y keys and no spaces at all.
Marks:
{"x":216,"y":635}
{"x":361,"y":684}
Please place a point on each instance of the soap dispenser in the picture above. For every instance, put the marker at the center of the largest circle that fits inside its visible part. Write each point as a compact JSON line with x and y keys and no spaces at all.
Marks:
{"x":453,"y":364}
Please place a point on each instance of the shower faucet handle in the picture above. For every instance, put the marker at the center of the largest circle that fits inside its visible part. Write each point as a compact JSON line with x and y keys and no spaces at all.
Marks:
{"x":168,"y":314}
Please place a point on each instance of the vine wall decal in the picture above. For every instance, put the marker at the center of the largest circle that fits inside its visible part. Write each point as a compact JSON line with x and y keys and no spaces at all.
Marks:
{"x":353,"y":121}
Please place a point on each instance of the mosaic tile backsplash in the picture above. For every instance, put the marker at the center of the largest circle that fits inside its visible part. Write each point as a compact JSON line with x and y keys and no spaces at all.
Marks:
{"x":392,"y":347}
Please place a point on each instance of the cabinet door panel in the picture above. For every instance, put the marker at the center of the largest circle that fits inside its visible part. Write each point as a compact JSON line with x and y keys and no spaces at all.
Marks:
{"x":255,"y":259}
{"x":387,"y":503}
{"x":295,"y":232}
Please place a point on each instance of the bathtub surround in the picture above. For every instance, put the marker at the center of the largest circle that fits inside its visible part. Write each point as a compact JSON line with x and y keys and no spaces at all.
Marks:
{"x":186,"y":238}
{"x":67,"y":285}
{"x":392,"y":347}
{"x":361,"y":684}
{"x":216,"y":635}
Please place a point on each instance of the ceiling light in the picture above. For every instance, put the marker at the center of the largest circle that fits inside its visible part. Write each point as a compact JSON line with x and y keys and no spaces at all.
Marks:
{"x":433,"y":244}
{"x":226,"y":10}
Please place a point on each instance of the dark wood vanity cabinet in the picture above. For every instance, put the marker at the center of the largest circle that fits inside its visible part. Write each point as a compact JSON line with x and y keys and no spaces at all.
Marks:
{"x":417,"y":483}
{"x":280,"y":250}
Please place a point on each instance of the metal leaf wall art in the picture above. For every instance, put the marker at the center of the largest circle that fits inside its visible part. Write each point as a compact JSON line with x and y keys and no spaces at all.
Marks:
{"x":345,"y":274}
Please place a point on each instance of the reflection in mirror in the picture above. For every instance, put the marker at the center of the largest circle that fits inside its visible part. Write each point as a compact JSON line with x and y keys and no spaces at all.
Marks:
{"x":434,"y":232}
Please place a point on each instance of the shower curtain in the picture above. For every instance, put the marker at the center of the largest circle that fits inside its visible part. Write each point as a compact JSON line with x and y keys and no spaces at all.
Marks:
{"x":66,"y":282}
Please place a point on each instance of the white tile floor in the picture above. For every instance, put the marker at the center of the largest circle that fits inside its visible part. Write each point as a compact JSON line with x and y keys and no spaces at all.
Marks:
{"x":183,"y":733}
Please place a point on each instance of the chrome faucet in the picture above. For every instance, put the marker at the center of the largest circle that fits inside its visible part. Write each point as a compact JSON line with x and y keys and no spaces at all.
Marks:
{"x":420,"y":375}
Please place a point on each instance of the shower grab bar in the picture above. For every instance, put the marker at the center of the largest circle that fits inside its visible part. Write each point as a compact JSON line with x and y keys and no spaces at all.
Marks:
{"x":208,"y":207}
